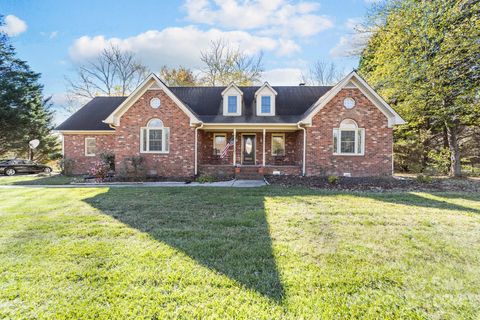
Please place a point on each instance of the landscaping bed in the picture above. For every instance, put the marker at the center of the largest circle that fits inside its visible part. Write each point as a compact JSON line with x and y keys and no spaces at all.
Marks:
{"x":378,"y":184}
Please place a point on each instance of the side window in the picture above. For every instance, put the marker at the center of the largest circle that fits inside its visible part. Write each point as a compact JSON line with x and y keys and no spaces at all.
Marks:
{"x":155,"y":138}
{"x":349,"y":139}
{"x":90,"y":147}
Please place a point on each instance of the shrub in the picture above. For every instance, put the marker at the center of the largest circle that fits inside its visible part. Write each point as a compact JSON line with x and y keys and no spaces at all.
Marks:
{"x":67,"y":165}
{"x":99,"y":170}
{"x":109,"y":159}
{"x":440,"y":160}
{"x":133,"y":168}
{"x":424,"y":179}
{"x":205,"y":179}
{"x":333,"y":179}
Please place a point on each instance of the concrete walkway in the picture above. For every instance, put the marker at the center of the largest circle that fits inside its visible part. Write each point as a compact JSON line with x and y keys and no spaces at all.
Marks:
{"x":229,"y":184}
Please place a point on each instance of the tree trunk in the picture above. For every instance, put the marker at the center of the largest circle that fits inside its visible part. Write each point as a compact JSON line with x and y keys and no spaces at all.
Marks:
{"x":455,"y":167}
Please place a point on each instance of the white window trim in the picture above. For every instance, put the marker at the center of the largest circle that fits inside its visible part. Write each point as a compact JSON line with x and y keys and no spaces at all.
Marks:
{"x":272,"y":105}
{"x":215,"y":135}
{"x":225,"y":105}
{"x":339,"y":139}
{"x":284,"y":144}
{"x":86,"y":152}
{"x":164,"y":141}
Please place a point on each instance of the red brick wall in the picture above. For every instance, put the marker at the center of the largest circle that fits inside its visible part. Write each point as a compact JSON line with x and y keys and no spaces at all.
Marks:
{"x":292,"y":154}
{"x":378,"y":139}
{"x":179,"y":162}
{"x":74,"y":148}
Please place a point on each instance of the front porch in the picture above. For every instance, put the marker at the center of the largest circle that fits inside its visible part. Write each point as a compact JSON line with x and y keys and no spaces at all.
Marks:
{"x":254,"y":152}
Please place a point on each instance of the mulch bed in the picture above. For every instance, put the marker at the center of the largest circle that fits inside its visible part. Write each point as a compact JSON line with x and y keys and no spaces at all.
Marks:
{"x":376,"y":184}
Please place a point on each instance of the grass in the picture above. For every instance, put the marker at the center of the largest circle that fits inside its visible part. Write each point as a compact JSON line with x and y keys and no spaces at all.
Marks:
{"x":35,"y":179}
{"x":238,"y":253}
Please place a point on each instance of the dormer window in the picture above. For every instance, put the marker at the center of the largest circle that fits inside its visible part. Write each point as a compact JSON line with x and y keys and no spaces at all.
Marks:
{"x":232,"y":101}
{"x":265,"y":98}
{"x":266,"y":105}
{"x":232,"y":104}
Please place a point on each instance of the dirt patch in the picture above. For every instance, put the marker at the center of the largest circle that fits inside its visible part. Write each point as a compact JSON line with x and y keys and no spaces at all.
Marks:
{"x":377,"y":184}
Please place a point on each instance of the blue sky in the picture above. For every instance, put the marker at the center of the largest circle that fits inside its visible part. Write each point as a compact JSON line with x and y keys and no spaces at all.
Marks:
{"x":54,"y":36}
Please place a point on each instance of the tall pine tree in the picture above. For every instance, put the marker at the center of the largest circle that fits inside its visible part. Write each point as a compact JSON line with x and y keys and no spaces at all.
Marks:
{"x":24,"y":113}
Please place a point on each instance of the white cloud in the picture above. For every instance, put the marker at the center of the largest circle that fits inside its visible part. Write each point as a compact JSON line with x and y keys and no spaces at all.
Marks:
{"x":352,"y":43}
{"x":283,"y":76}
{"x":177,"y":46}
{"x":13,"y":26}
{"x":269,"y":17}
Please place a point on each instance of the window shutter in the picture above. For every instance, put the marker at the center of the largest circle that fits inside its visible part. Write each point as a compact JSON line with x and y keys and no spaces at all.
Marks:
{"x":166,"y":139}
{"x":360,"y":135}
{"x":335,"y":140}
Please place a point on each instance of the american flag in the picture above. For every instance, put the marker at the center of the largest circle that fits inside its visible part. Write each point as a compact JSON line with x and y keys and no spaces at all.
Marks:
{"x":227,"y":146}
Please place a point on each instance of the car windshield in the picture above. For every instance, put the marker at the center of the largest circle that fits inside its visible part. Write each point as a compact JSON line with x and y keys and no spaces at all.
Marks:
{"x":4,"y":161}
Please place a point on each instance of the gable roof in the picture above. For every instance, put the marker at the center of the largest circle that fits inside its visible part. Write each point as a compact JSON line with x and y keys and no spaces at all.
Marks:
{"x":151,"y":81}
{"x":91,"y":115}
{"x":353,"y":79}
{"x":294,"y":104}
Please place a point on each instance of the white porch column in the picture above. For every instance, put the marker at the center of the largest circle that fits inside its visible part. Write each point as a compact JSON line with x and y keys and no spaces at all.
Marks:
{"x":264,"y":146}
{"x":234,"y":146}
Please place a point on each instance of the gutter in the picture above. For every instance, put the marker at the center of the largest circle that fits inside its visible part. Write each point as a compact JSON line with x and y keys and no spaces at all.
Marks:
{"x":304,"y":147}
{"x":196,"y":147}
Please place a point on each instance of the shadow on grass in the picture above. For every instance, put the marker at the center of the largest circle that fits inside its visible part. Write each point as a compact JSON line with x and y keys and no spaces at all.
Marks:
{"x":225,"y":231}
{"x":413,"y":199}
{"x":35,"y":179}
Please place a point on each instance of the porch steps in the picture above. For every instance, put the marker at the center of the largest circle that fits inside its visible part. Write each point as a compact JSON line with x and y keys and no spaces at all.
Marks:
{"x":248,"y":173}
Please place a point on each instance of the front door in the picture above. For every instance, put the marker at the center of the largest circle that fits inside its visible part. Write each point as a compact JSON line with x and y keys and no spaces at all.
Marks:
{"x":248,"y":149}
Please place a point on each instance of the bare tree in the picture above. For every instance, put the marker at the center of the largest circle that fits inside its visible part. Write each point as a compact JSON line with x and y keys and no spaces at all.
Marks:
{"x":224,"y":64}
{"x":113,"y":73}
{"x":324,"y":73}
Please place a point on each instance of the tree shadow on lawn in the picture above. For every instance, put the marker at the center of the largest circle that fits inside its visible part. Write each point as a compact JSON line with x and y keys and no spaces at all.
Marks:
{"x":225,"y":231}
{"x":429,"y":200}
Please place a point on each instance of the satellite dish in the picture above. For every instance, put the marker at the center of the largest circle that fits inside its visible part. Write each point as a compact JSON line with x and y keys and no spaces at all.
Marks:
{"x":34,"y":143}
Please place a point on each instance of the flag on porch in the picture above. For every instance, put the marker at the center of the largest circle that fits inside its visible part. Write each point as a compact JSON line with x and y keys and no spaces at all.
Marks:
{"x":227,"y":146}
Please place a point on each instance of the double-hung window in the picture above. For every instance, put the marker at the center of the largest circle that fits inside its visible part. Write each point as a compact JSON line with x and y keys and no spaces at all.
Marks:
{"x":278,"y":144}
{"x":349,"y":139}
{"x":232,"y":104}
{"x":219,"y":143}
{"x":90,"y":147}
{"x":154,"y":138}
{"x":266,"y":105}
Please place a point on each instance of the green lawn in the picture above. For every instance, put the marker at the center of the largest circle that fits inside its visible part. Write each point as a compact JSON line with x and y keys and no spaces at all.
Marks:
{"x":238,"y":253}
{"x":35,"y":179}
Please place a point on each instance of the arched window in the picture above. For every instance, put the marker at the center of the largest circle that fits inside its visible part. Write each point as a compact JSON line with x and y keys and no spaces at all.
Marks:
{"x":154,"y":138}
{"x":348,"y":139}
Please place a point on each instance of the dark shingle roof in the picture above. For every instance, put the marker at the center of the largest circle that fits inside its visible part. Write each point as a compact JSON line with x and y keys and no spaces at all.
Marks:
{"x":91,"y":115}
{"x":206,"y":102}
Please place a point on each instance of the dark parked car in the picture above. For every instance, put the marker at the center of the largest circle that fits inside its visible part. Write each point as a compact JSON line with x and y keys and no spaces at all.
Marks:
{"x":14,"y":166}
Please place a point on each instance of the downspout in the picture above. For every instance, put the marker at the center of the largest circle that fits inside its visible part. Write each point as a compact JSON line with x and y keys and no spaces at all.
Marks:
{"x":196,"y":147}
{"x":304,"y":147}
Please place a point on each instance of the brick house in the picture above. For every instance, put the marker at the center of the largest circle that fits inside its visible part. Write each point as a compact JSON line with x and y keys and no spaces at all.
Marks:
{"x":343,"y":130}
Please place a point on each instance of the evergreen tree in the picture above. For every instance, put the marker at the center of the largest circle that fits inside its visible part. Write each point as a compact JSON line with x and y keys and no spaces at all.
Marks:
{"x":24,"y":114}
